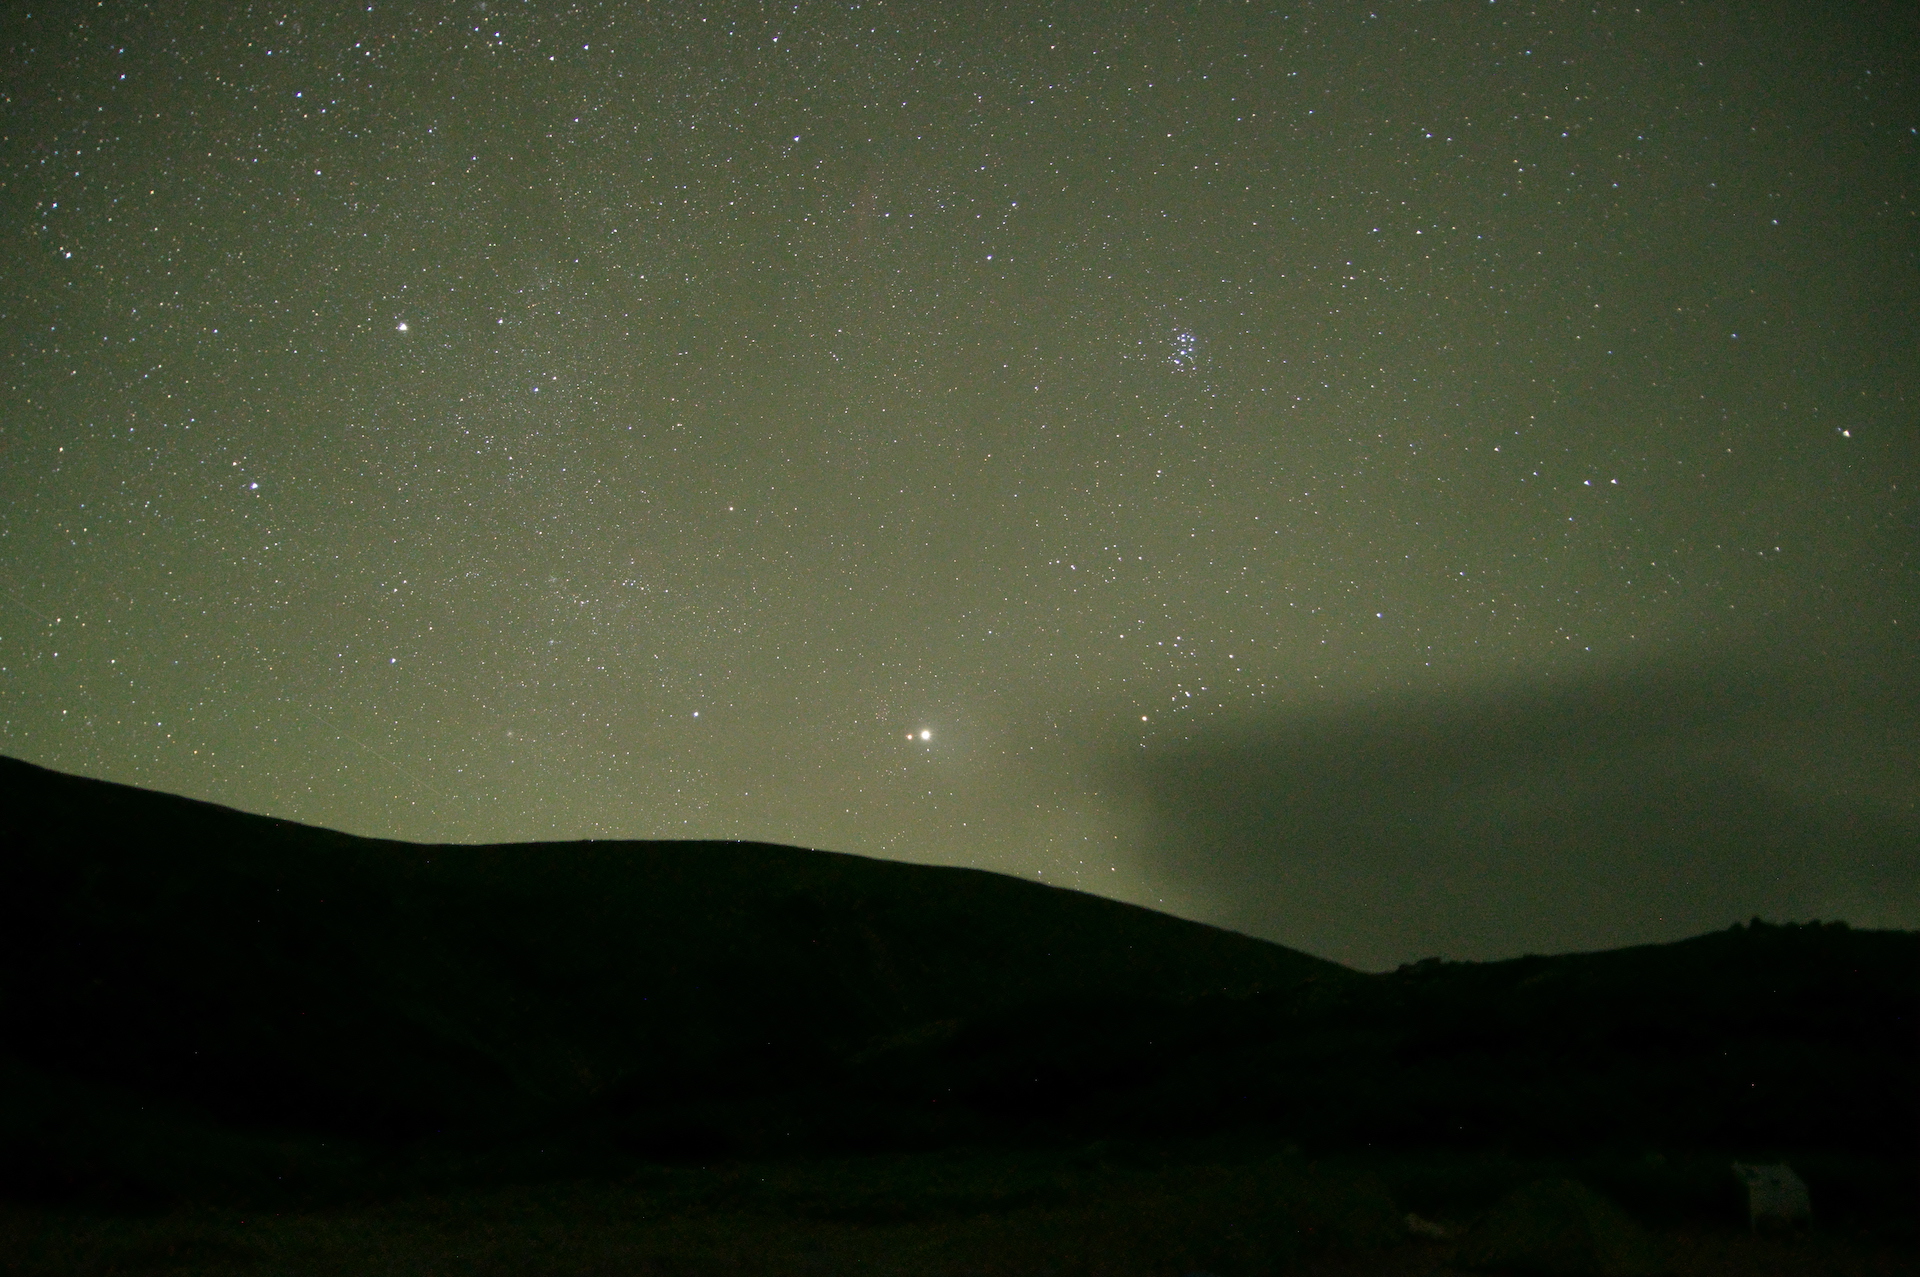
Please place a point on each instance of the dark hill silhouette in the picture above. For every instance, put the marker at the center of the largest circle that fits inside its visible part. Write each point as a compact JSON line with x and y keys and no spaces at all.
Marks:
{"x":198,"y":999}
{"x":276,"y":976}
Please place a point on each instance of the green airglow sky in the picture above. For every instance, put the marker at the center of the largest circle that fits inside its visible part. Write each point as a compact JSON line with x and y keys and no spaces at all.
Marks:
{"x":1391,"y":478}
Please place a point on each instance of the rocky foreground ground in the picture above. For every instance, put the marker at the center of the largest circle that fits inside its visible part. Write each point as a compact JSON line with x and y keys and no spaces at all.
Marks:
{"x":949,"y":1217}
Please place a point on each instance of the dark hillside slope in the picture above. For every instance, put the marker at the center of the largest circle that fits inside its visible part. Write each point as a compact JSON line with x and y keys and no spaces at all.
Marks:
{"x":194,"y":996}
{"x":1753,"y":1041}
{"x":272,"y":975}
{"x":1755,"y":1038}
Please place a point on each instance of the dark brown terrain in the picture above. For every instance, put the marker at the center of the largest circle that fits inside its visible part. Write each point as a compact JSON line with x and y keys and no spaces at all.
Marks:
{"x":239,"y":1044}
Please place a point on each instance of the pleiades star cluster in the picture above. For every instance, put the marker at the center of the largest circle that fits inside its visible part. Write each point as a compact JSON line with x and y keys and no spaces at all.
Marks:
{"x":1393,"y":478}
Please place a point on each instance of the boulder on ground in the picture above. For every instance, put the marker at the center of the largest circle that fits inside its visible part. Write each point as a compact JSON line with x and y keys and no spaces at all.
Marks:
{"x":1776,"y":1197}
{"x":1559,"y":1228}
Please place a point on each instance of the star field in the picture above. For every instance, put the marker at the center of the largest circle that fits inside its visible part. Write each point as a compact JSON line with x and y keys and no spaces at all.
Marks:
{"x":1017,"y":438}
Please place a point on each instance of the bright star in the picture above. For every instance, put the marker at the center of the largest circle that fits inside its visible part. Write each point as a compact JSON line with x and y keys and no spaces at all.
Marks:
{"x":400,"y":327}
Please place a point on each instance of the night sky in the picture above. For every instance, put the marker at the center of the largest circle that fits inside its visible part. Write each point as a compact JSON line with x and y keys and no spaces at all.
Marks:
{"x":1396,"y":479}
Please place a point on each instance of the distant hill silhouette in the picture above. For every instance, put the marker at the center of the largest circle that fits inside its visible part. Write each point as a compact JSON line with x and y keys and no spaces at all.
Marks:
{"x":195,"y":997}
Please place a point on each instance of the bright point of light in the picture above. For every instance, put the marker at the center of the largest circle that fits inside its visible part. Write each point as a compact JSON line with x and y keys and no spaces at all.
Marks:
{"x":400,"y":327}
{"x":925,"y":734}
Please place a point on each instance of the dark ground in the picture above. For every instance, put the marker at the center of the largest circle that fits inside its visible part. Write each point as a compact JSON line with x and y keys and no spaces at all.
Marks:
{"x":239,"y":1044}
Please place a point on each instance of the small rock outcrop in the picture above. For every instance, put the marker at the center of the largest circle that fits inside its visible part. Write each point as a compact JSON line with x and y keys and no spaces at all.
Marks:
{"x":1776,"y":1197}
{"x":1559,"y":1228}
